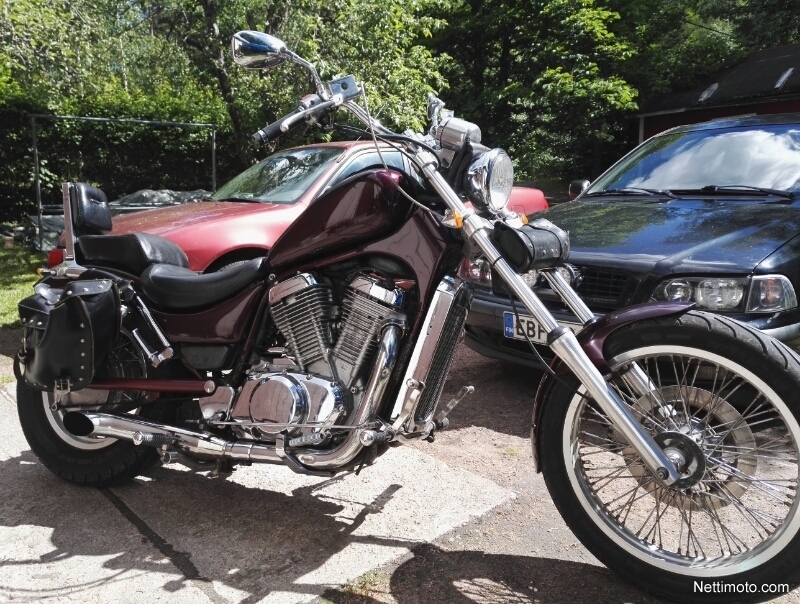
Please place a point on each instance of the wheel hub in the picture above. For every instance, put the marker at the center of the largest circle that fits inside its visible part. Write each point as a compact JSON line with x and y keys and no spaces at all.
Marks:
{"x":686,"y":455}
{"x":694,"y":443}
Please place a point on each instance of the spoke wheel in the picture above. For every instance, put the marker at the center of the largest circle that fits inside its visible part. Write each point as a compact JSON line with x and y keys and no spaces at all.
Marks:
{"x":124,"y":360}
{"x":726,"y":418}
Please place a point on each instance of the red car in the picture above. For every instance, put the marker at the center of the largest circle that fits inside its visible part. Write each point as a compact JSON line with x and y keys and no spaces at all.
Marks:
{"x":244,"y":217}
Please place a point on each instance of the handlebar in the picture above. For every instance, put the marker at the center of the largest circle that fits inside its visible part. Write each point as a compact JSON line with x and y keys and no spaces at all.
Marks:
{"x":273,"y":130}
{"x":290,"y":120}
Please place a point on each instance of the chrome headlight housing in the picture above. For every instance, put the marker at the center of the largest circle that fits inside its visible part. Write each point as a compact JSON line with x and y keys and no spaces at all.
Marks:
{"x":489,"y":180}
{"x":761,"y":294}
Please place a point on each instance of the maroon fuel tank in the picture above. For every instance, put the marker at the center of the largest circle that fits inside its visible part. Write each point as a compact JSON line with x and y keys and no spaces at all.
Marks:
{"x":359,"y":210}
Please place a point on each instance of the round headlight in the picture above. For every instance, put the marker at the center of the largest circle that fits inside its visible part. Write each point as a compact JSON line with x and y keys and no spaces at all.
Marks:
{"x":677,"y":291}
{"x":490,"y":179}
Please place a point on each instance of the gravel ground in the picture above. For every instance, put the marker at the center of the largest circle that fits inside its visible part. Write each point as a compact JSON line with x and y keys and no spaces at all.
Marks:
{"x":520,"y":552}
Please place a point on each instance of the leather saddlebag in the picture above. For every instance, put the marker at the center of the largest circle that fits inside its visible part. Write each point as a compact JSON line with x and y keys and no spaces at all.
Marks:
{"x":67,"y":333}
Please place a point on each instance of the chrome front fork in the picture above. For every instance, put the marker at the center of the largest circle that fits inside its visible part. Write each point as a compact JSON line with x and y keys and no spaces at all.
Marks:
{"x":566,"y":346}
{"x":564,"y":342}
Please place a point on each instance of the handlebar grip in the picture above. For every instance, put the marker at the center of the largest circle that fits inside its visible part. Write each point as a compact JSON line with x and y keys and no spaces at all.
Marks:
{"x":273,"y":130}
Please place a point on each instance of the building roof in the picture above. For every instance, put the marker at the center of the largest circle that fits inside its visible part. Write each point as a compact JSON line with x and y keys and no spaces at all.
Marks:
{"x":765,"y":73}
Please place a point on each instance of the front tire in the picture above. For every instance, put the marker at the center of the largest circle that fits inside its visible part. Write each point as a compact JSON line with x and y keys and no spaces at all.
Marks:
{"x":729,"y":409}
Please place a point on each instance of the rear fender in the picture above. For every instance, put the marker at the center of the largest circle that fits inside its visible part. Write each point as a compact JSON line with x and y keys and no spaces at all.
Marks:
{"x":592,"y":339}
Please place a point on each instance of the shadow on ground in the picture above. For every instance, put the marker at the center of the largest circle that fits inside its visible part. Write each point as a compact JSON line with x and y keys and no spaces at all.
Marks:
{"x":503,"y":397}
{"x":437,"y":576}
{"x":257,"y":543}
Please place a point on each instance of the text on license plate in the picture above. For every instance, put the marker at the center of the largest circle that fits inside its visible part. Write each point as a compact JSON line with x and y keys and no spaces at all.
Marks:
{"x":530,"y":327}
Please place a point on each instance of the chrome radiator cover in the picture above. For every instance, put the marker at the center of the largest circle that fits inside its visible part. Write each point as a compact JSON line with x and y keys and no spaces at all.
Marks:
{"x":433,"y":353}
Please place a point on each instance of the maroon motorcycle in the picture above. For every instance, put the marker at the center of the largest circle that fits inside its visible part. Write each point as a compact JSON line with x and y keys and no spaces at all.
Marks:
{"x":668,"y":437}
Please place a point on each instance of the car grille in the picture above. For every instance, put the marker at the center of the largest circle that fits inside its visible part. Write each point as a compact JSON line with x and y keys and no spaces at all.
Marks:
{"x":602,"y":284}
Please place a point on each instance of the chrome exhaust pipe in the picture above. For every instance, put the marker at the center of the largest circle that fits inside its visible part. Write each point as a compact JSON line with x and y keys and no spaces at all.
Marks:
{"x":140,"y":431}
{"x":304,"y":461}
{"x":347,"y":451}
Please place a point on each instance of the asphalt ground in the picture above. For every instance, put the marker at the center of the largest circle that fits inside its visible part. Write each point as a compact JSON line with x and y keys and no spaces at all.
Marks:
{"x":464,"y":519}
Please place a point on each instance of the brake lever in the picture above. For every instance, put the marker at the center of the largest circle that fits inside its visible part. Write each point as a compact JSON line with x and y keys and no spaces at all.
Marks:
{"x":301,"y":115}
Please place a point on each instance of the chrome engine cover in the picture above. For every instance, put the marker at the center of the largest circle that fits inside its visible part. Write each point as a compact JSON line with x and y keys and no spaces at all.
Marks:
{"x":286,"y":398}
{"x":331,"y":346}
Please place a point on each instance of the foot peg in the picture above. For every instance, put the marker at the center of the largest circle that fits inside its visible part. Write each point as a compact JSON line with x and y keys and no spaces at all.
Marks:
{"x":441,"y":420}
{"x":156,"y":358}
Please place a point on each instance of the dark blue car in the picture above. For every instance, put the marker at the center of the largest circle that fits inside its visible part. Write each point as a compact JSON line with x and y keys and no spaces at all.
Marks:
{"x":708,"y":213}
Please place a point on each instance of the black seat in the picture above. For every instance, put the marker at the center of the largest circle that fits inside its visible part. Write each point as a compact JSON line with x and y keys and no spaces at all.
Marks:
{"x":176,"y":288}
{"x":133,"y":252}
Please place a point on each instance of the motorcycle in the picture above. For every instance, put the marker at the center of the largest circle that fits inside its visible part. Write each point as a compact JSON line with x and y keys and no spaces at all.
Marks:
{"x":668,"y":437}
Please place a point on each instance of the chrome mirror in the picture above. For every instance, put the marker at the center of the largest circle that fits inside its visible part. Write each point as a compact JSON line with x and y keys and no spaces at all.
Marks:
{"x":256,"y":50}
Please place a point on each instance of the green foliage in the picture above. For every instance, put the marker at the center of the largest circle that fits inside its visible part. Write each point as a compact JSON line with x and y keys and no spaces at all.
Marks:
{"x":17,"y":277}
{"x":552,"y":81}
{"x":758,"y":24}
{"x":677,"y":43}
{"x":541,"y":79}
{"x":170,"y":61}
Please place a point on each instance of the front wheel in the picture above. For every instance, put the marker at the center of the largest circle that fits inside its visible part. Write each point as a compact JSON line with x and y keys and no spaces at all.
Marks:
{"x":725,"y":408}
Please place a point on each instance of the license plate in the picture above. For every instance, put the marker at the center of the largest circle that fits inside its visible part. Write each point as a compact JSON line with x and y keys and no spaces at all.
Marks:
{"x":530,"y":327}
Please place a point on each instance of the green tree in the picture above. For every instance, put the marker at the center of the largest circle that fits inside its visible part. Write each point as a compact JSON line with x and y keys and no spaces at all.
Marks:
{"x":759,"y":24}
{"x":541,"y":78}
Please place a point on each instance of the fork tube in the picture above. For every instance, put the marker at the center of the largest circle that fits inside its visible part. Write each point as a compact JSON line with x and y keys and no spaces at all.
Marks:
{"x":569,"y":296}
{"x":567,"y":347}
{"x":635,"y":377}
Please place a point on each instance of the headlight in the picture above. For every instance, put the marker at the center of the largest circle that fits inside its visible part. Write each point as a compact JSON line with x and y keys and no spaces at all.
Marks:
{"x":490,"y":179}
{"x":719,"y":294}
{"x":767,"y":293}
{"x":770,"y":293}
{"x":712,"y":293}
{"x":477,"y":271}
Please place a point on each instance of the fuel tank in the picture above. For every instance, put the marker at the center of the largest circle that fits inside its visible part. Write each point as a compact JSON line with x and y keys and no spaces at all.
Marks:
{"x":361,"y":209}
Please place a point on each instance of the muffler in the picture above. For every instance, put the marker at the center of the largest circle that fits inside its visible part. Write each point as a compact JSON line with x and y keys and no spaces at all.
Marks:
{"x":140,"y":431}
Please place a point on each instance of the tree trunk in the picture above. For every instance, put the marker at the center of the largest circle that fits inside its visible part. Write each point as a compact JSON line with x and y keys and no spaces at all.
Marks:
{"x":215,"y":53}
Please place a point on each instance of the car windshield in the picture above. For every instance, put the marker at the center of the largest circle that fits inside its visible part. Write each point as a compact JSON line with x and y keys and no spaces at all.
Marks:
{"x":281,"y":178}
{"x":766,"y":156}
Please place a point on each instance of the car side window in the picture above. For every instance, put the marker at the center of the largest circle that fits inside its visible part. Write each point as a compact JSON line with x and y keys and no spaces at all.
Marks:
{"x":368,"y":161}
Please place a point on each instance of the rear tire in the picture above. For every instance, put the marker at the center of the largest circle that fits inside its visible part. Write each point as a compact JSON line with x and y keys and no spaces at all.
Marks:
{"x":109,"y":462}
{"x":733,"y":394}
{"x":86,"y":460}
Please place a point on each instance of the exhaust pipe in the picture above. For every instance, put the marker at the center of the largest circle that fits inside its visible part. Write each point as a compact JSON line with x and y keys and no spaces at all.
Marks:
{"x":315,"y":462}
{"x":139,"y":431}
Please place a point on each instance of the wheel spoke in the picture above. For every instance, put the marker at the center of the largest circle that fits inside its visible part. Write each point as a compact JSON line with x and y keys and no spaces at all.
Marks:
{"x":747,"y":490}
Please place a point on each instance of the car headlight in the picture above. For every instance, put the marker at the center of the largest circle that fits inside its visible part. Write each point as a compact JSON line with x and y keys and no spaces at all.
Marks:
{"x":711,"y":293}
{"x":769,"y":293}
{"x":476,"y":270}
{"x":490,"y":179}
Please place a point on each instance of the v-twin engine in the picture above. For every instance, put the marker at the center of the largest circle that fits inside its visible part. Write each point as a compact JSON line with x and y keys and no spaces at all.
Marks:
{"x":330,"y":349}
